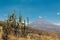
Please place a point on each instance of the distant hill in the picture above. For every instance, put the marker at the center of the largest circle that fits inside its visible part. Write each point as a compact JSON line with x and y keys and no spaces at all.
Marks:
{"x":43,"y":24}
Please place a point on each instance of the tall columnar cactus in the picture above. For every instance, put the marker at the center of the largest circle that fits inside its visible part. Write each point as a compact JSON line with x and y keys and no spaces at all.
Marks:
{"x":8,"y":16}
{"x":27,"y":21}
{"x":25,"y":29}
{"x":20,"y":20}
{"x":24,"y":26}
{"x":14,"y":17}
{"x":9,"y":19}
{"x":11,"y":26}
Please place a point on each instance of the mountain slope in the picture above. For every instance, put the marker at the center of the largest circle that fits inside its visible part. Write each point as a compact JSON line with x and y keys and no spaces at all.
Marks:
{"x":45,"y":25}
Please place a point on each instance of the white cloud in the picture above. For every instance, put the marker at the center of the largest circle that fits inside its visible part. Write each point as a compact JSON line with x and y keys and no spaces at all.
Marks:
{"x":56,"y":23}
{"x":40,"y":17}
{"x":58,"y":13}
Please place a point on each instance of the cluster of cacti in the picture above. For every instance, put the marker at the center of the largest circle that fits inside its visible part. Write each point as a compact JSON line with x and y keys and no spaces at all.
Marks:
{"x":11,"y":26}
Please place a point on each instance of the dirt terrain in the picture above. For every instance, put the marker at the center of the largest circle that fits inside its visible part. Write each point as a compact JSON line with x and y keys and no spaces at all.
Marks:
{"x":33,"y":35}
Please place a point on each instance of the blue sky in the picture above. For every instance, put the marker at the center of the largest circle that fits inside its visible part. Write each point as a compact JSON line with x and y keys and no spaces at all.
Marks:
{"x":34,"y":9}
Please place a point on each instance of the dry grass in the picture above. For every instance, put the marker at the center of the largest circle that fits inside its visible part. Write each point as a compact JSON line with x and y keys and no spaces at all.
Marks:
{"x":1,"y":33}
{"x":44,"y":37}
{"x":32,"y":36}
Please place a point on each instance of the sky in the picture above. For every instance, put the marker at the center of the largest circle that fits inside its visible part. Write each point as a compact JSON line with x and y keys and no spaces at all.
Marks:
{"x":34,"y":9}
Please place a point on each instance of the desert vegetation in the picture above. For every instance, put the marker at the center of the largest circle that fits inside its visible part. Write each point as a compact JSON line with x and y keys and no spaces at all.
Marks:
{"x":12,"y":30}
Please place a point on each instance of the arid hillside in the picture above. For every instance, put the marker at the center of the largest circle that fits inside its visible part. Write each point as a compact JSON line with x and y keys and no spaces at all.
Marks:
{"x":13,"y":30}
{"x":33,"y":34}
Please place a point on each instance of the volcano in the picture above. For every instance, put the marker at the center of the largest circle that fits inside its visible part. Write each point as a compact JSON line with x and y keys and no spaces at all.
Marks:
{"x":46,"y":25}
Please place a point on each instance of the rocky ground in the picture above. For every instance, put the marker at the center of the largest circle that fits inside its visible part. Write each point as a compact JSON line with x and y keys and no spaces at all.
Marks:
{"x":33,"y":35}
